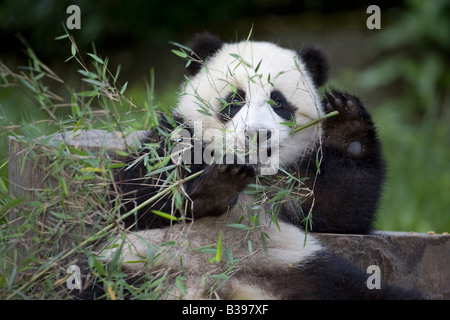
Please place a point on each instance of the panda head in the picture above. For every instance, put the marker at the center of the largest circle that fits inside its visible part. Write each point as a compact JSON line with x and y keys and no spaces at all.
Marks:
{"x":251,"y":87}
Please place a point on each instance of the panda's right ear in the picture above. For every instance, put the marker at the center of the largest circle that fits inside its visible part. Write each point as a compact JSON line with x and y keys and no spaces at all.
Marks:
{"x":204,"y":45}
{"x":316,"y":62}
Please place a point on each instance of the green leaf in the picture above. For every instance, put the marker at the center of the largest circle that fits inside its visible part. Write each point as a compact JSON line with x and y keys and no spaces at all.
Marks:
{"x":88,"y":74}
{"x":179,"y":45}
{"x":68,"y":59}
{"x":116,"y":76}
{"x":93,"y":56}
{"x":113,"y":246}
{"x":62,"y":37}
{"x":275,"y":220}
{"x":124,"y":88}
{"x":80,"y":121}
{"x":157,"y":282}
{"x":263,"y":242}
{"x":219,"y":248}
{"x":179,"y":53}
{"x":250,"y":246}
{"x":94,"y":262}
{"x":88,"y":93}
{"x":122,"y":153}
{"x":318,"y":163}
{"x":206,"y":113}
{"x":257,"y":67}
{"x":92,"y":169}
{"x":238,"y":226}
{"x":222,"y":101}
{"x":207,"y":250}
{"x":165,"y":215}
{"x":64,"y":186}
{"x":220,"y":276}
{"x":180,"y":285}
{"x":135,"y":261}
{"x":73,"y":50}
{"x":95,"y":83}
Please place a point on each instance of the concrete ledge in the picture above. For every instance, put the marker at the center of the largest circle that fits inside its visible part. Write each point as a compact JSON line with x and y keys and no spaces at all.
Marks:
{"x":410,"y":260}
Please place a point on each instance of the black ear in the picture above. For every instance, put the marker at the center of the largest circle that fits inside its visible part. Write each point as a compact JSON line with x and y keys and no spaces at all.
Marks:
{"x":204,"y":45}
{"x":316,"y":62}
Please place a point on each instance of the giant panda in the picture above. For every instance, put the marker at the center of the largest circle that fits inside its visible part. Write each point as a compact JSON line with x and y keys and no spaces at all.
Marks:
{"x":228,"y":238}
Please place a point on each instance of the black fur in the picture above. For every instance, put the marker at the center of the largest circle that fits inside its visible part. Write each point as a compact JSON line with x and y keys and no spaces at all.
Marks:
{"x":281,"y":106}
{"x":204,"y":45}
{"x":328,"y":277}
{"x":234,"y":102}
{"x":348,"y":188}
{"x":317,"y":64}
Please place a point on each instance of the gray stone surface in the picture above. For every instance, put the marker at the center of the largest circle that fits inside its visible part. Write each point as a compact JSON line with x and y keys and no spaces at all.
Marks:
{"x":410,"y":260}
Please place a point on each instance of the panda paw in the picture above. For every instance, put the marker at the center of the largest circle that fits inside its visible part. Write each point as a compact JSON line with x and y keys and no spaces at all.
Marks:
{"x":218,"y":188}
{"x":352,"y":131}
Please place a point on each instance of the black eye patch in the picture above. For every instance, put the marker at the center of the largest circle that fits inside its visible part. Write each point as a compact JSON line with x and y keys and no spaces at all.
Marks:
{"x":281,"y":106}
{"x":231,"y":105}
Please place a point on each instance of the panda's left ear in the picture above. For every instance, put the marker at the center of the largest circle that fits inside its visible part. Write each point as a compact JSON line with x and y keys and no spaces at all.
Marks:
{"x":204,"y":45}
{"x":316,"y":62}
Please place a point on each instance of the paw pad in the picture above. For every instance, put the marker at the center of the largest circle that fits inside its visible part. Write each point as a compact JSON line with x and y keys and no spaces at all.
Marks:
{"x":355,"y":148}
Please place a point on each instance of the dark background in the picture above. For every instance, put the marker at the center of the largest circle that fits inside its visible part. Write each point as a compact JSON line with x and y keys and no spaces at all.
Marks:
{"x":136,"y":34}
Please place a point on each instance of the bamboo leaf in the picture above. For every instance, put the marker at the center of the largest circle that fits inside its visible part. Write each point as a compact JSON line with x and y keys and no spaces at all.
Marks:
{"x":91,"y":169}
{"x":179,"y":53}
{"x":62,"y":37}
{"x":219,"y":248}
{"x":180,"y":285}
{"x":94,"y":262}
{"x":238,"y":226}
{"x":257,"y":67}
{"x":165,"y":215}
{"x":93,"y":56}
{"x":263,"y":242}
{"x":124,"y":88}
{"x":179,"y":45}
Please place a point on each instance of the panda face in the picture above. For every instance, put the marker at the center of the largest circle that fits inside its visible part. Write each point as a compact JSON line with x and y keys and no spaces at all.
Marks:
{"x":254,"y":87}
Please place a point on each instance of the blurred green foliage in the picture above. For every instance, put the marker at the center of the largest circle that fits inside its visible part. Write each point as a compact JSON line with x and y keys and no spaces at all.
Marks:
{"x":414,"y":116}
{"x":415,"y":59}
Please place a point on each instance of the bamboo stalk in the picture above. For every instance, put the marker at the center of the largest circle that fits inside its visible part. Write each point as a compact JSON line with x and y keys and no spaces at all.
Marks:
{"x":313,"y":122}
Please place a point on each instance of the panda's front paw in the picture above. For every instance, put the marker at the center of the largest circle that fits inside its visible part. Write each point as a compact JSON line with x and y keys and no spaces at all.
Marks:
{"x":218,"y":188}
{"x":352,"y":131}
{"x":238,"y":174}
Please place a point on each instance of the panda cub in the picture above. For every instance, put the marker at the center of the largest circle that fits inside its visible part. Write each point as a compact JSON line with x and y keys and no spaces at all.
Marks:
{"x":243,"y":230}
